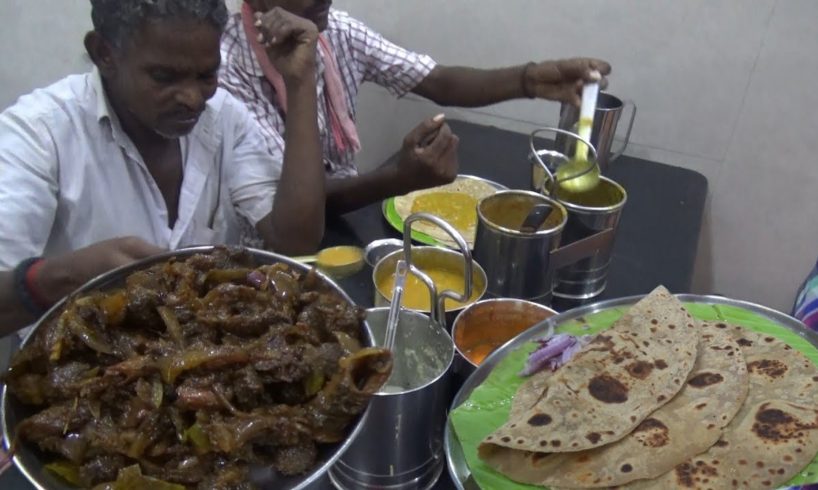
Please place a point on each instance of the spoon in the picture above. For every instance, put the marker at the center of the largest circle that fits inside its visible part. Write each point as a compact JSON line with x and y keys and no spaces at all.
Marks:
{"x":401,"y":271}
{"x":536,"y":217}
{"x":338,"y":262}
{"x":581,"y":174}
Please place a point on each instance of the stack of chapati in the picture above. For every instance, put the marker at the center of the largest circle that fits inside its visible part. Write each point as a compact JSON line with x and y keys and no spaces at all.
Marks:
{"x":456,"y":203}
{"x":659,"y":401}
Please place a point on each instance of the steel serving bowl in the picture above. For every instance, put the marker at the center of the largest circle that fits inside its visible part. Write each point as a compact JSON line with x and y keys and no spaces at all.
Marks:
{"x":30,"y":461}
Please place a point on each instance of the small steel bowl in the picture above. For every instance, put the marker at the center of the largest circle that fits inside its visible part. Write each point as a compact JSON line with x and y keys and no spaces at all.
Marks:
{"x":427,"y":258}
{"x":486,"y":325}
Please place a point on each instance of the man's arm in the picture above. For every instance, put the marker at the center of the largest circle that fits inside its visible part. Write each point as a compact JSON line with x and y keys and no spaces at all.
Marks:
{"x":428,"y":158}
{"x":473,"y":87}
{"x":58,"y":276}
{"x":296,"y":223}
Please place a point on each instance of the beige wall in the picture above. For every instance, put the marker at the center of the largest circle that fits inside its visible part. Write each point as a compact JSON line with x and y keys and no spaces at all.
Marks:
{"x":724,"y":87}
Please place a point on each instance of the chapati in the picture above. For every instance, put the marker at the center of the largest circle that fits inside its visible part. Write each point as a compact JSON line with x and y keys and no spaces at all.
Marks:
{"x":609,"y":387}
{"x":774,"y":435}
{"x":689,"y":424}
{"x":456,"y":203}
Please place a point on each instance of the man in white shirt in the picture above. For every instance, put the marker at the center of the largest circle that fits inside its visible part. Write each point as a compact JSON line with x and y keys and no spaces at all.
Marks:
{"x":145,"y":153}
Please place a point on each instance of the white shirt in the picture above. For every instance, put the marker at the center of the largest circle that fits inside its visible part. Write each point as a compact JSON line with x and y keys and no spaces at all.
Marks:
{"x":70,"y":177}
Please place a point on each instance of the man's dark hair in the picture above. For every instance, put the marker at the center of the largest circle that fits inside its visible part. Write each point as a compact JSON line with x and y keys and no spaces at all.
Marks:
{"x":117,"y":20}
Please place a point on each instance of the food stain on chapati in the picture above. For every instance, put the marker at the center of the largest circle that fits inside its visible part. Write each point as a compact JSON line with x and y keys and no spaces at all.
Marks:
{"x":652,"y":433}
{"x":776,"y":426}
{"x":539,"y":420}
{"x":607,"y":389}
{"x":688,"y":475}
{"x":771,"y":368}
{"x":639,"y":369}
{"x":705,"y":379}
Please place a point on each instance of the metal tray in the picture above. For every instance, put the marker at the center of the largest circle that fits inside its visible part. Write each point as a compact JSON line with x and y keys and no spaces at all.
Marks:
{"x":28,"y":459}
{"x":459,"y":470}
{"x":397,"y":223}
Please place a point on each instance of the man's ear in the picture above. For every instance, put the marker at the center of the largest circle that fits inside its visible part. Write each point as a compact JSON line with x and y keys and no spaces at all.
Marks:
{"x":101,"y":53}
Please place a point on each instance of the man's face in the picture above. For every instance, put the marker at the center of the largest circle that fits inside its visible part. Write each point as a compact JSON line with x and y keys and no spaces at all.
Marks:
{"x":315,"y":10}
{"x":163,"y":76}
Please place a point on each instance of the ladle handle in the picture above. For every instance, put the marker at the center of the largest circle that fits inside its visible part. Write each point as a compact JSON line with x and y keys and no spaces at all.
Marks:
{"x":464,"y":250}
{"x":401,"y":270}
{"x":556,"y":154}
{"x":435,"y":313}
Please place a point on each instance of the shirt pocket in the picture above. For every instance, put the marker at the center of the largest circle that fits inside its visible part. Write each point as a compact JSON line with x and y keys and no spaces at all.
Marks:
{"x":222,"y":231}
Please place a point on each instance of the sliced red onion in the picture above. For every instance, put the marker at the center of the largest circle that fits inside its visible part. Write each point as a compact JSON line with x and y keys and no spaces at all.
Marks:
{"x":549,"y":348}
{"x":256,"y":278}
{"x":553,"y":353}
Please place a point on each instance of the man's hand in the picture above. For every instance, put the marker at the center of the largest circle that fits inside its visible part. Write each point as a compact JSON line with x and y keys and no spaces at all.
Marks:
{"x":290,"y":41}
{"x":562,"y":80}
{"x":61,"y":275}
{"x":429,"y":155}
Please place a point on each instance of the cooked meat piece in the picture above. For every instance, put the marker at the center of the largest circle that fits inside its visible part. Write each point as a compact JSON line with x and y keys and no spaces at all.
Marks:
{"x":328,"y":356}
{"x":280,"y":425}
{"x":285,"y":364}
{"x":248,"y":388}
{"x":242,"y":310}
{"x":227,"y":477}
{"x":101,"y":468}
{"x":294,"y":460}
{"x":29,"y":388}
{"x":347,"y":393}
{"x":56,"y":420}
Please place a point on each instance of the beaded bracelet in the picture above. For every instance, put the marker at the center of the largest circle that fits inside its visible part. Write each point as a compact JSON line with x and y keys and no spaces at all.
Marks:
{"x":24,"y":275}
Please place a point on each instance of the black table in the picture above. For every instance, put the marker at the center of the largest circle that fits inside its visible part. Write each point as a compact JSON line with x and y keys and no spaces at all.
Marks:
{"x":658,"y":233}
{"x":656,"y":242}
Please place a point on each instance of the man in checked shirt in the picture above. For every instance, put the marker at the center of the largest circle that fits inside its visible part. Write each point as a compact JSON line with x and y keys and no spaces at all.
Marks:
{"x":348,"y":54}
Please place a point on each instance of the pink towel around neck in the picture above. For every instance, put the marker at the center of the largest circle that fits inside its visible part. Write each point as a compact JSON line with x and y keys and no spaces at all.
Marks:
{"x":342,"y":127}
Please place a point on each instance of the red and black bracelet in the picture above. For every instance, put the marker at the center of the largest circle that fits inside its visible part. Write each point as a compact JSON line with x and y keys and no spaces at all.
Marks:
{"x":24,"y":284}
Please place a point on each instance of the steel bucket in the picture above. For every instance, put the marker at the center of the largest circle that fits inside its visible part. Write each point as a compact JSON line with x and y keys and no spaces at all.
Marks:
{"x":588,"y":276}
{"x":609,"y":109}
{"x":517,"y":264}
{"x":401,"y":445}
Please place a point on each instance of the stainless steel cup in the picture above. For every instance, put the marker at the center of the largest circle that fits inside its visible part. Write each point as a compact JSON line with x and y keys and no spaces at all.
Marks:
{"x":517,"y":264}
{"x":401,"y":444}
{"x":609,"y":110}
{"x":589,"y":217}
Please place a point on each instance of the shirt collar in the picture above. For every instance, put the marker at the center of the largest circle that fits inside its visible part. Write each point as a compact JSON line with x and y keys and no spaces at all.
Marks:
{"x":246,"y":59}
{"x":104,"y":110}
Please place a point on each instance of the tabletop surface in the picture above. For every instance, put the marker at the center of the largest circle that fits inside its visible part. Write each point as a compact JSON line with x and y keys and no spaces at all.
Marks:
{"x":655,"y":244}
